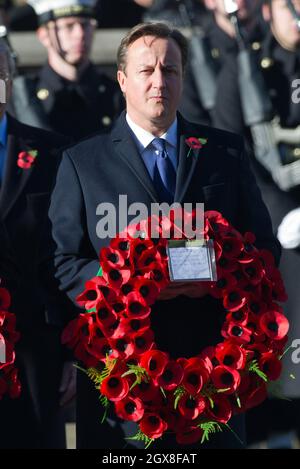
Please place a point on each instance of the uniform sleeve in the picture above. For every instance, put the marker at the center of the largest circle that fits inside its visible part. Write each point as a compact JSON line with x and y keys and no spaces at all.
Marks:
{"x":70,"y":258}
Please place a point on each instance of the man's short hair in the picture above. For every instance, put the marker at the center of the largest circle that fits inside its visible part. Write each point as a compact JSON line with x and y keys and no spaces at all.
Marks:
{"x":157,"y":30}
{"x":5,"y":49}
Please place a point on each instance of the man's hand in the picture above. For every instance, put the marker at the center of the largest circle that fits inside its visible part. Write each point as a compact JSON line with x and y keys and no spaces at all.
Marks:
{"x":191,"y":289}
{"x":68,"y":383}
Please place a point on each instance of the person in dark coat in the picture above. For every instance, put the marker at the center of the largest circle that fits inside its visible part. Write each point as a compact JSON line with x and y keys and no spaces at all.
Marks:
{"x":151,"y":60}
{"x":278,"y":61}
{"x":28,"y":163}
{"x":69,"y":95}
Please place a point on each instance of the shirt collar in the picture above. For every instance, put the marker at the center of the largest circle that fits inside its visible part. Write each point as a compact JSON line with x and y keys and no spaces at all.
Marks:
{"x":144,"y":138}
{"x":3,"y":130}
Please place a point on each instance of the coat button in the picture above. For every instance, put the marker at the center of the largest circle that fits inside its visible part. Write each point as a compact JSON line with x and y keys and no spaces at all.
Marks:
{"x":43,"y":94}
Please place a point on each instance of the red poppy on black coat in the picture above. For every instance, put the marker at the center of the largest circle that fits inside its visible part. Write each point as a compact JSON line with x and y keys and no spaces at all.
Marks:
{"x":226,"y":379}
{"x":171,"y":376}
{"x":130,"y":409}
{"x":136,"y":306}
{"x":115,"y":388}
{"x":154,"y":362}
{"x":270,"y":365}
{"x":152,"y":425}
{"x":191,"y":407}
{"x":274,"y":324}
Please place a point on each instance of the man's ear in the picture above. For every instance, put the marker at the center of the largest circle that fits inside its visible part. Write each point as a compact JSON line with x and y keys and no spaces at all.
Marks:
{"x":43,"y":36}
{"x":122,"y":80}
{"x":266,"y":12}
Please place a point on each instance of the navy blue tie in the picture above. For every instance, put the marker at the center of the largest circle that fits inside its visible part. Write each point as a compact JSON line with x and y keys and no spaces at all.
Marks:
{"x":164,"y":172}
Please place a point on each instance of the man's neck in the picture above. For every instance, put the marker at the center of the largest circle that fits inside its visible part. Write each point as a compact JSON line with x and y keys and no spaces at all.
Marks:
{"x":64,"y":69}
{"x":155,"y":128}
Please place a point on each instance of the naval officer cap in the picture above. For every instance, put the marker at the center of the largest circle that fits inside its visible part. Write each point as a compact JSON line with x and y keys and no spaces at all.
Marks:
{"x":50,"y":10}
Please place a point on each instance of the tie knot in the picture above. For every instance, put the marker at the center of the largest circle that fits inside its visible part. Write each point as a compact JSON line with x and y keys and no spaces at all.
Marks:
{"x":159,"y":144}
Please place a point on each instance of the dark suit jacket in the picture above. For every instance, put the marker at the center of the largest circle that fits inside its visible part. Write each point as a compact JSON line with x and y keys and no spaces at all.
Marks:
{"x":24,"y":200}
{"x":98,"y":170}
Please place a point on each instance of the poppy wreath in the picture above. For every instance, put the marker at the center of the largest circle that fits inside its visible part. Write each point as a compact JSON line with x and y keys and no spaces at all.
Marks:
{"x":193,"y":397}
{"x":9,"y":381}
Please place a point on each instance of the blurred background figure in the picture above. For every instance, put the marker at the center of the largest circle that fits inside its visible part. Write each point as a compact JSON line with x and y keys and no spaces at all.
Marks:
{"x":262,"y":102}
{"x":68,"y":95}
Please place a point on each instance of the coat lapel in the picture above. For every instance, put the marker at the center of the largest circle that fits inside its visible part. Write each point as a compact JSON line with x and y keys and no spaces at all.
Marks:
{"x":125,"y":147}
{"x":188,"y":159}
{"x":15,"y":178}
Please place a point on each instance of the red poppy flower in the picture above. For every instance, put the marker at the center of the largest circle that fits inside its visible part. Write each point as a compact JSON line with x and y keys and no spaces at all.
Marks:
{"x":147,"y":289}
{"x":122,"y":245}
{"x":221,"y":411}
{"x":130,"y":409}
{"x":253,"y":271}
{"x":239,"y":317}
{"x":136,"y":306}
{"x":225,"y":379}
{"x":4,"y":299}
{"x":215,"y":223}
{"x":116,"y":277}
{"x":8,"y":325}
{"x":122,"y":347}
{"x":146,"y":391}
{"x":132,"y":327}
{"x":26,"y":159}
{"x":96,"y":290}
{"x":78,"y":329}
{"x":234,"y":300}
{"x":114,"y":388}
{"x":154,"y":362}
{"x":239,"y":333}
{"x":193,"y":142}
{"x":153,"y":426}
{"x":231,"y":246}
{"x":11,"y":378}
{"x":190,"y":436}
{"x":230,"y":354}
{"x":159,"y":274}
{"x":254,"y":396}
{"x":191,"y":407}
{"x":274,"y":324}
{"x":112,"y":258}
{"x":105,"y":316}
{"x":143,"y":342}
{"x":225,"y":281}
{"x":171,"y":376}
{"x":193,"y":379}
{"x":270,"y":365}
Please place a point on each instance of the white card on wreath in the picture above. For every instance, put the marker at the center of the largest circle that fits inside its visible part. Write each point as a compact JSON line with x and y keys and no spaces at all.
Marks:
{"x":2,"y":350}
{"x":191,"y":261}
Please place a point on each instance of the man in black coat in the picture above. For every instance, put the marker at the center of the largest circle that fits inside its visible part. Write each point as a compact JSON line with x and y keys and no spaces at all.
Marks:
{"x":28,"y":163}
{"x":151,"y":62}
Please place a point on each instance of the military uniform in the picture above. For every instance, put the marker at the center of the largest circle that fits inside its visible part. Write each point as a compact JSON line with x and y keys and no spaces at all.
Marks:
{"x":76,"y":109}
{"x":279,"y":68}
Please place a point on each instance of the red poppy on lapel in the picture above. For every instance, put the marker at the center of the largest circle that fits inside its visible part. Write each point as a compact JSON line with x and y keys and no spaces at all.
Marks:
{"x":195,"y":143}
{"x":26,"y":159}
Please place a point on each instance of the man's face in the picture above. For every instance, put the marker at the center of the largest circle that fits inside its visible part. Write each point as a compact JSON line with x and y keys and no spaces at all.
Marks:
{"x":75,"y":36}
{"x":152,"y":81}
{"x":5,"y":83}
{"x":283,"y":24}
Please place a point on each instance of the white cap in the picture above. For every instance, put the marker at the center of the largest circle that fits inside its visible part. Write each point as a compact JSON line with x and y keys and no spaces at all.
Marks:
{"x":48,"y":10}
